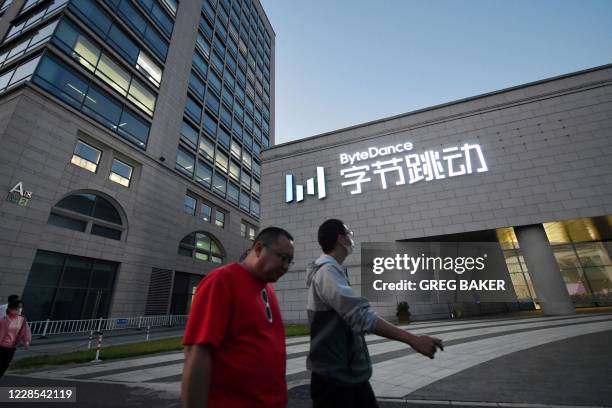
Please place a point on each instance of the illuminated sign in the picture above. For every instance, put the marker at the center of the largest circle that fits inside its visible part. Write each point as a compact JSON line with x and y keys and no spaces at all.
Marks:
{"x":314,"y":185}
{"x":426,"y":166}
{"x":395,"y":165}
{"x":19,"y":196}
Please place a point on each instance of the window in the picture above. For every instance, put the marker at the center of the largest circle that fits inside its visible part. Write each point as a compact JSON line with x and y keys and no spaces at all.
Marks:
{"x":189,"y":205}
{"x":220,"y":219}
{"x":245,"y":201}
{"x":234,"y":170}
{"x":210,"y":123}
{"x":185,"y":162}
{"x":221,"y":161}
{"x":203,"y":174}
{"x":246,"y":160}
{"x":148,"y":68}
{"x":72,"y":88}
{"x":223,"y":137}
{"x":233,"y":193}
{"x":206,"y":148}
{"x":189,"y":135}
{"x":245,"y":180}
{"x":236,"y":149}
{"x":212,"y":102}
{"x":121,"y":173}
{"x":255,"y":208}
{"x":40,"y":36}
{"x":206,"y":212}
{"x":193,"y":109}
{"x":248,"y":231}
{"x":196,"y":85}
{"x":219,"y":184}
{"x":86,"y":156}
{"x":202,"y":246}
{"x":19,"y":74}
{"x":255,"y":187}
{"x":87,"y":212}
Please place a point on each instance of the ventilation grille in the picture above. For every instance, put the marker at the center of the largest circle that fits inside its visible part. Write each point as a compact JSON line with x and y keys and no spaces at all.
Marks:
{"x":160,"y":289}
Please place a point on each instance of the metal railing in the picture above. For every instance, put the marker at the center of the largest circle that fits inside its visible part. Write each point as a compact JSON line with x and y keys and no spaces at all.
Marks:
{"x":49,"y":327}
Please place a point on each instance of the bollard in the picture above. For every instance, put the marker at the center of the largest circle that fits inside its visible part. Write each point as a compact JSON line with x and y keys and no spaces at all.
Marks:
{"x":44,"y":335}
{"x":148,"y":330}
{"x":97,"y":360}
{"x":90,"y":340}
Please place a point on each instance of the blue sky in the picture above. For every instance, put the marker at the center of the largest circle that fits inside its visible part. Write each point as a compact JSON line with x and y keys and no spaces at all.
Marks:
{"x":341,"y":63}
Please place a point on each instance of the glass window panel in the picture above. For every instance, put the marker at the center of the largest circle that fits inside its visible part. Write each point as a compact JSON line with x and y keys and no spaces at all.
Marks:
{"x":142,"y":96}
{"x":149,"y":68}
{"x":46,"y":269}
{"x":86,"y":53}
{"x":219,"y":184}
{"x":105,"y":232}
{"x":234,"y":170}
{"x":246,"y":159}
{"x":255,"y":187}
{"x":123,"y":44}
{"x":103,"y":275}
{"x":219,"y":222}
{"x":104,"y":210}
{"x":156,"y":42}
{"x":221,"y":161}
{"x":210,"y":123}
{"x":189,"y":135}
{"x":226,"y":116}
{"x":223,"y":137}
{"x":245,"y":201}
{"x":39,"y":300}
{"x":99,"y":20}
{"x":88,"y":153}
{"x":217,"y":61}
{"x":200,"y":256}
{"x":255,"y":208}
{"x":203,"y":174}
{"x":205,"y":212}
{"x":134,"y":129}
{"x":82,"y":203}
{"x":121,"y":173}
{"x":212,"y":102}
{"x":214,"y":81}
{"x":203,"y":45}
{"x":200,"y":65}
{"x":236,"y":149}
{"x":68,"y":304}
{"x":206,"y":148}
{"x":193,"y":109}
{"x":111,"y":73}
{"x":189,"y":205}
{"x":66,"y":222}
{"x":185,"y":251}
{"x":197,"y":85}
{"x":232,"y":193}
{"x":245,"y":180}
{"x":77,"y":272}
{"x":100,"y":106}
{"x":202,"y":241}
{"x":185,"y":161}
{"x":61,"y":82}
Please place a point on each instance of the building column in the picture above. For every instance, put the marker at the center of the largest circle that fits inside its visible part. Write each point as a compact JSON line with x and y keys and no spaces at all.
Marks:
{"x":544,"y":270}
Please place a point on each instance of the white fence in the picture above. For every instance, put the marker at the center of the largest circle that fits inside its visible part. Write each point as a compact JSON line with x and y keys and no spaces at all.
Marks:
{"x":51,"y":327}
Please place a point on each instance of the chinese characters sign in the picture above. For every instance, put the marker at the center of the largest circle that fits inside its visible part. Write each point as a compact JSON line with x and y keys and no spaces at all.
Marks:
{"x":402,"y":168}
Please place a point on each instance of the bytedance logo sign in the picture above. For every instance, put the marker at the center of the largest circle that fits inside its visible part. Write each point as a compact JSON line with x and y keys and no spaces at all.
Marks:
{"x":314,"y":185}
{"x":425,"y":166}
{"x":398,"y":168}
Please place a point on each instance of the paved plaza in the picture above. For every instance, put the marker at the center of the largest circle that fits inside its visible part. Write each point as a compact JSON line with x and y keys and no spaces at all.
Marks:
{"x":529,"y":361}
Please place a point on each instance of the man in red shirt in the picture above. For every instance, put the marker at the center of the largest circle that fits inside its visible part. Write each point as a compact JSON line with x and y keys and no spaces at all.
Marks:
{"x":235,"y":340}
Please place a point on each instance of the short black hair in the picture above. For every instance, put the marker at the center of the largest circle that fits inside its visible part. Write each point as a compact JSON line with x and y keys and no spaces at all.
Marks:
{"x":328,"y":234}
{"x":270,"y":235}
{"x":13,"y":298}
{"x":13,"y":305}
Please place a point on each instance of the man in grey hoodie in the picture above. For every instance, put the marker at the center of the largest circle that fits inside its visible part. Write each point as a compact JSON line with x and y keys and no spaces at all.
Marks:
{"x":338,"y":357}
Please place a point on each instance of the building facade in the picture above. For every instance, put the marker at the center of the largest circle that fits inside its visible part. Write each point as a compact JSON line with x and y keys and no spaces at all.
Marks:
{"x":527,"y":168}
{"x":130,"y":140}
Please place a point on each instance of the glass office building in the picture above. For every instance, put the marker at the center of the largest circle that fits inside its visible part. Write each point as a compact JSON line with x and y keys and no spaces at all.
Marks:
{"x":131,"y":135}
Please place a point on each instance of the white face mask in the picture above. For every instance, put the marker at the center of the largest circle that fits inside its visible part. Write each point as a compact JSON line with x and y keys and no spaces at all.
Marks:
{"x":20,"y":309}
{"x":349,"y":237}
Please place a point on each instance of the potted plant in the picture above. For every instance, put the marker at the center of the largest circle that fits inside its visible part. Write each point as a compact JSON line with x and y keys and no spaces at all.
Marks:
{"x":403,"y":312}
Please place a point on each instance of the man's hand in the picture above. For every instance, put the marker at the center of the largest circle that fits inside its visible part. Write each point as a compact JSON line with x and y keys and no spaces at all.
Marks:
{"x":422,"y":344}
{"x":426,"y":345}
